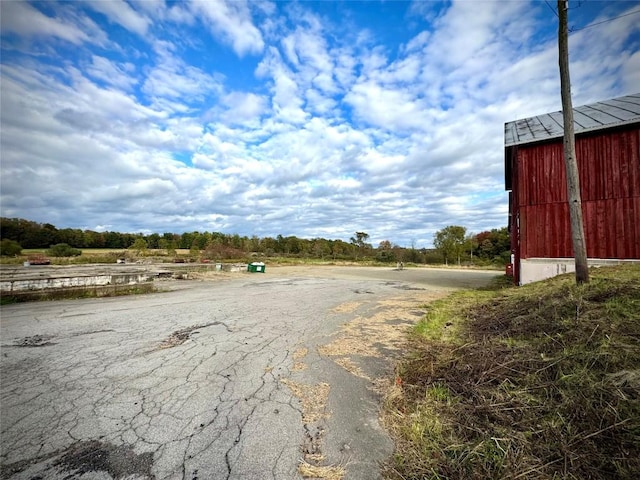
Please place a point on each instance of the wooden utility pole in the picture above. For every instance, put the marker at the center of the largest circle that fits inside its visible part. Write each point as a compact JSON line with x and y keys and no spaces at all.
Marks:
{"x":570,"y":162}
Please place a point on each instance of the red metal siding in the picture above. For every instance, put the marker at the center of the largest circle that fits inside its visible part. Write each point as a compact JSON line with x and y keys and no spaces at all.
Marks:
{"x":609,"y":165}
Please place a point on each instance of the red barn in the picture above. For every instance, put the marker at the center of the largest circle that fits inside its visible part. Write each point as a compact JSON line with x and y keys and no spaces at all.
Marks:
{"x":608,"y":154}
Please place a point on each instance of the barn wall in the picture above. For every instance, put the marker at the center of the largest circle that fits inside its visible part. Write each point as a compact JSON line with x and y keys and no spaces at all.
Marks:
{"x":609,"y":165}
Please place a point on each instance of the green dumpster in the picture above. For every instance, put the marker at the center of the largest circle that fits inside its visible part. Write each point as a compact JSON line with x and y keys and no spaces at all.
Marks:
{"x":256,"y":267}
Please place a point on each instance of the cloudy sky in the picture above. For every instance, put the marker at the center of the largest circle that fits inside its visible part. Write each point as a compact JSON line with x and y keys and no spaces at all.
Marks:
{"x":309,"y":118}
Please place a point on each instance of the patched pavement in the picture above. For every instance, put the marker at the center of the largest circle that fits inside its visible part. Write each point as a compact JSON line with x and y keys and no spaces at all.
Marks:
{"x":256,"y":376}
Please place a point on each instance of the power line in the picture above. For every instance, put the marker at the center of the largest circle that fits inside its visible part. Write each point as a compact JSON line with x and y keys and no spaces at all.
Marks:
{"x":552,"y":9}
{"x":603,"y":21}
{"x":593,"y":24}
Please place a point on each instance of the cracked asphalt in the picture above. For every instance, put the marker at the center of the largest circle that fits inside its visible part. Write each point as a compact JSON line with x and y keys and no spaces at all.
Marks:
{"x":247,"y":376}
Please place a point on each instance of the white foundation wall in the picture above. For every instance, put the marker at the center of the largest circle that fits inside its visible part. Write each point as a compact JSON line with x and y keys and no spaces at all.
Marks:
{"x":535,"y":269}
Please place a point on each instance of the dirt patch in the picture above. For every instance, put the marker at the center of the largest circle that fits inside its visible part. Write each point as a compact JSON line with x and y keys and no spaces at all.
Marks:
{"x":118,"y":461}
{"x":35,"y":341}
{"x":180,"y":336}
{"x":86,"y":457}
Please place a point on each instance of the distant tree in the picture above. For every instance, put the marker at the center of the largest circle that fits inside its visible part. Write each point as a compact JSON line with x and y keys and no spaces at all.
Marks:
{"x":450,"y":242}
{"x":114,"y":240}
{"x":292,"y":245}
{"x":10,"y":248}
{"x":360,"y":242}
{"x":171,"y":248}
{"x":186,"y":240}
{"x":139,"y":245}
{"x":412,"y":254}
{"x":470,"y":245}
{"x":384,"y":245}
{"x":269,"y":245}
{"x":320,"y":248}
{"x":384,"y":252}
{"x":254,"y":244}
{"x":93,"y":239}
{"x":360,"y":239}
{"x":339,"y":249}
{"x":493,"y":245}
{"x":63,"y":250}
{"x":152,"y":240}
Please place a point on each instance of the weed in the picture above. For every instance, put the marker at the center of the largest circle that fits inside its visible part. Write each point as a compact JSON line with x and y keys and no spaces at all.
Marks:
{"x":536,"y":382}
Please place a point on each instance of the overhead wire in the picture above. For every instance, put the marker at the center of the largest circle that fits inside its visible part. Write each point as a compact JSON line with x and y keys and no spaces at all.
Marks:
{"x":552,"y":9}
{"x":573,"y":29}
{"x":605,"y":21}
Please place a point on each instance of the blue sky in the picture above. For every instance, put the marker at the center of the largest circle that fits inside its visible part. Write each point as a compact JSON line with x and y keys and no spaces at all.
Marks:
{"x":314,"y":119}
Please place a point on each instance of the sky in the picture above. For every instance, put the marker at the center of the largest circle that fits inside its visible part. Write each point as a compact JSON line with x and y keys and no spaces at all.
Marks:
{"x":306,"y":118}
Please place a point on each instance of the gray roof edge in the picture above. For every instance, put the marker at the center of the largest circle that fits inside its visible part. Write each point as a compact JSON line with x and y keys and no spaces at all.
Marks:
{"x":576,"y":132}
{"x":632,"y":100}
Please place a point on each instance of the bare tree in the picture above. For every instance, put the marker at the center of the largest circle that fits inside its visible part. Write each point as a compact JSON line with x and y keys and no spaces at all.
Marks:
{"x":570,"y":162}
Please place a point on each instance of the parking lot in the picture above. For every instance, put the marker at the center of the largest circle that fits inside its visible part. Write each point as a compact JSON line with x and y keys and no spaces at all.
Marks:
{"x":236,"y":376}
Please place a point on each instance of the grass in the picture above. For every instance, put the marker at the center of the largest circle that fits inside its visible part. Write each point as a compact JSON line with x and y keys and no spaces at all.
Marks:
{"x":536,"y":382}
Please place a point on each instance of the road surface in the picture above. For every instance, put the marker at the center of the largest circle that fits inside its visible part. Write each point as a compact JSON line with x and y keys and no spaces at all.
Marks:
{"x":246,"y":376}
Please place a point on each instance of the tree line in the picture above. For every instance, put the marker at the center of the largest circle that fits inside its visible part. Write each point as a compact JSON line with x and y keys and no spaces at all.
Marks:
{"x":453,"y":244}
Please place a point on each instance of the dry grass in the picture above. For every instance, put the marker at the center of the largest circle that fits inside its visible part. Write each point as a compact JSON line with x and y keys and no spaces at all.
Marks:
{"x":539,"y":382}
{"x":299,"y":367}
{"x":348,"y":307}
{"x":315,"y":471}
{"x":312,"y":397}
{"x":386,"y":328}
{"x":300,"y":353}
{"x":351,"y":367}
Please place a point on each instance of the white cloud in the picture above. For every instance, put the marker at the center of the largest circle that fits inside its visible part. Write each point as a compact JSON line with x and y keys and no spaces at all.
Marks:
{"x":23,"y":19}
{"x":323,"y":130}
{"x":120,"y":12}
{"x":243,"y":108}
{"x":286,"y":100}
{"x":231,"y":21}
{"x":174,"y":80}
{"x":393,"y":109}
{"x":631,"y":72}
{"x":120,"y":75}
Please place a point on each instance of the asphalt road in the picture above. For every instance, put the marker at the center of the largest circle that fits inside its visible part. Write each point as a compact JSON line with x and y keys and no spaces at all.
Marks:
{"x":250,"y":376}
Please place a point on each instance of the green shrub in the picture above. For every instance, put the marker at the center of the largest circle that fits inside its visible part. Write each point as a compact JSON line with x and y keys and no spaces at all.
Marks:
{"x":10,"y":248}
{"x":63,"y":250}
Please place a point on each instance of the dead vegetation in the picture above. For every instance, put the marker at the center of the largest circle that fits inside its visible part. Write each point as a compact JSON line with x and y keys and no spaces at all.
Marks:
{"x":308,"y":470}
{"x":312,"y":397}
{"x":384,"y":329}
{"x":538,"y":382}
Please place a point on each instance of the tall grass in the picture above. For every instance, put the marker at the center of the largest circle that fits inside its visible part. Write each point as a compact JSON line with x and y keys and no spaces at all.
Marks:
{"x":540,"y":382}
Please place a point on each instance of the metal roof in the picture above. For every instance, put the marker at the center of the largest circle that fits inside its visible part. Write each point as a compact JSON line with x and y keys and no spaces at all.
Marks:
{"x":597,"y":116}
